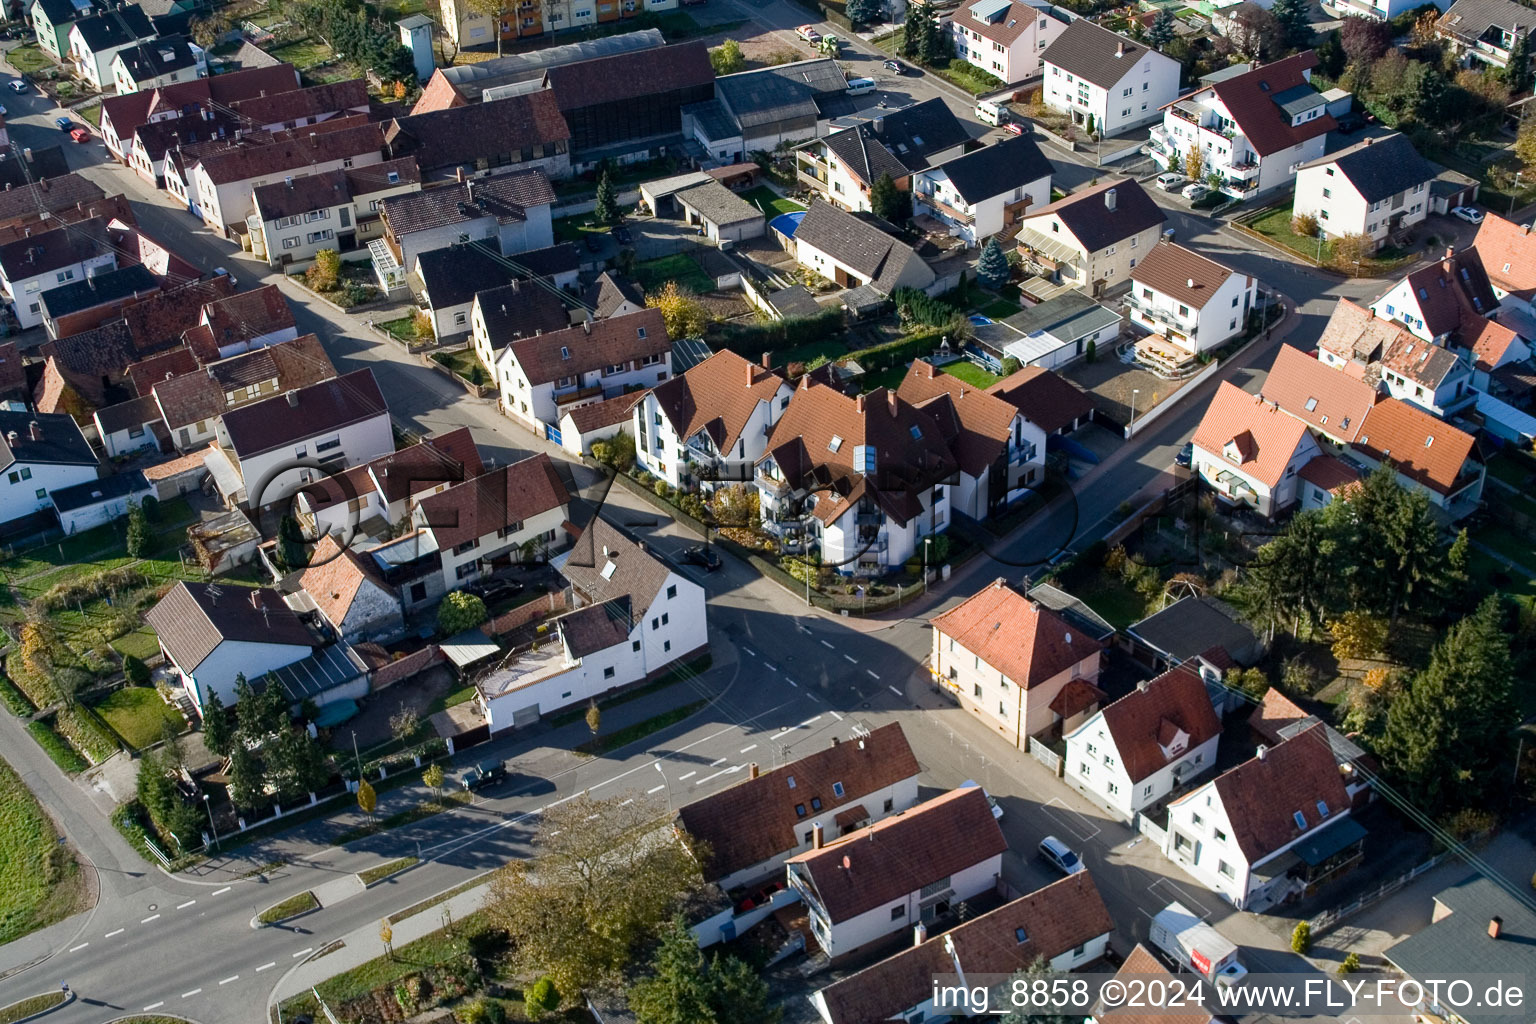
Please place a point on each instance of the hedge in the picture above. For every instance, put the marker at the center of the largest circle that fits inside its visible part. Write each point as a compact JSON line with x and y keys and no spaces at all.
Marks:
{"x":902,"y":350}
{"x":54,"y":746}
{"x":753,"y":339}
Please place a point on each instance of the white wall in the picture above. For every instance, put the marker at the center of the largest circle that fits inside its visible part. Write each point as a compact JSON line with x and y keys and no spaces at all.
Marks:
{"x":102,"y":512}
{"x":26,"y":292}
{"x":374,"y":615}
{"x":361,"y":442}
{"x":121,"y":442}
{"x":838,"y":938}
{"x":25,"y":486}
{"x":987,"y":214}
{"x":964,"y":672}
{"x":1341,"y":210}
{"x":461,"y":566}
{"x":1137,"y":98}
{"x":231,"y":202}
{"x":1095,"y":767}
{"x":1014,"y":62}
{"x":535,"y":404}
{"x":231,"y":658}
{"x":1223,"y":316}
{"x":660,"y":451}
{"x":1210,"y":464}
{"x":1112,"y":264}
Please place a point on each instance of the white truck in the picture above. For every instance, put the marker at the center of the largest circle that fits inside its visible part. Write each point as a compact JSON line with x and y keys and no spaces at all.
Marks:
{"x":1195,"y":946}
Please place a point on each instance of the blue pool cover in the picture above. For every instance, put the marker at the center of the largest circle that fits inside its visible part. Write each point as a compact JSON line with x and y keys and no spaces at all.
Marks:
{"x":787,"y":224}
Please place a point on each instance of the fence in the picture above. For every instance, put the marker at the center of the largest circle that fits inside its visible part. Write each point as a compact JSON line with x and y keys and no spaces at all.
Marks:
{"x":1133,"y":521}
{"x":1054,"y":139}
{"x":1330,"y":919}
{"x":406,"y":667}
{"x":1152,"y":830}
{"x":1045,"y":755}
{"x":526,"y":613}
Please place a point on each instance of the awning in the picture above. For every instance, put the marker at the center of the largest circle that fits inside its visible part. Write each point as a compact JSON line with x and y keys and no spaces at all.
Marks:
{"x":1325,"y":843}
{"x":1045,"y":245}
{"x":469,"y":647}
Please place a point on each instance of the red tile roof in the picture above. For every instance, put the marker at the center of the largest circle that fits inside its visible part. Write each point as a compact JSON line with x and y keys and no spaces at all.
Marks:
{"x":489,"y":502}
{"x":146,"y":373}
{"x":1145,"y":721}
{"x":1318,"y":395}
{"x":1509,"y":255}
{"x":756,"y":819}
{"x":605,"y":413}
{"x":1263,"y":437}
{"x":1331,"y":474}
{"x":1262,"y":795}
{"x":1452,"y":290}
{"x":438,"y":95}
{"x":159,"y":321}
{"x":252,"y":158}
{"x":1141,"y":964}
{"x":1077,"y":696}
{"x":1022,"y":639}
{"x":1421,"y":447}
{"x":899,"y":855}
{"x":978,"y":424}
{"x":592,"y":345}
{"x":1489,"y":341}
{"x":239,"y":318}
{"x":717,"y":397}
{"x":334,"y":577}
{"x":1274,"y":713}
{"x":1250,"y":99}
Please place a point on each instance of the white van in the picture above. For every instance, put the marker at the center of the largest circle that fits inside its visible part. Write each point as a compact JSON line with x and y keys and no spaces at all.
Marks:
{"x":860,"y":86}
{"x":990,"y":112}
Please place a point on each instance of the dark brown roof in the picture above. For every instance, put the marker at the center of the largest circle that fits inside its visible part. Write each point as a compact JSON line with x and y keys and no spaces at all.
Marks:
{"x":1054,"y":920}
{"x":506,"y":197}
{"x":463,"y":135}
{"x":1452,"y":290}
{"x":978,"y":424}
{"x":160,"y":320}
{"x":1046,"y":398}
{"x":594,"y":628}
{"x":146,"y":373}
{"x":448,"y":456}
{"x":127,"y":415}
{"x":1143,"y":722}
{"x":1087,"y":213}
{"x":262,"y":157}
{"x":319,"y":408}
{"x":1181,"y":274}
{"x":1250,"y":99}
{"x":520,"y":309}
{"x":717,"y":396}
{"x":105,"y":351}
{"x":1096,"y":54}
{"x":636,"y":574}
{"x":899,"y":855}
{"x":590,"y":346}
{"x":47,"y":251}
{"x":756,"y":819}
{"x":328,"y":98}
{"x":240,"y":317}
{"x":201,"y":394}
{"x":13,"y":373}
{"x":50,"y":194}
{"x":605,"y":413}
{"x":489,"y":502}
{"x":1262,"y":795}
{"x":1143,"y":965}
{"x":194,"y":618}
{"x":613,"y":79}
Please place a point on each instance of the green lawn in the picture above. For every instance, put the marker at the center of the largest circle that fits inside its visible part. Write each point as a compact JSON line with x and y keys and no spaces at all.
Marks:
{"x":303,"y":54}
{"x":466,"y":364}
{"x":630,"y":734}
{"x":403,"y":329}
{"x":766,"y":199}
{"x":972,"y":374}
{"x":39,"y":879}
{"x":1106,"y":594}
{"x":30,"y":1007}
{"x":142,"y":643}
{"x":1000,"y":309}
{"x":382,"y":871}
{"x":889,"y":378}
{"x":680,"y":267}
{"x":1514,"y":467}
{"x":91,"y":112}
{"x":810,"y":351}
{"x":576,"y":229}
{"x":30,"y":59}
{"x":139,"y":715}
{"x":972,"y":79}
{"x":290,"y":907}
{"x":460,"y":696}
{"x":1275,"y":225}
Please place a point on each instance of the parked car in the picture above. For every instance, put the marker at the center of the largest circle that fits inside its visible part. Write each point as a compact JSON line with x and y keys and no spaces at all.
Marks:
{"x":1470,"y":214}
{"x":997,"y":811}
{"x":493,"y":590}
{"x":2,"y":109}
{"x":594,"y":242}
{"x":701,"y":556}
{"x":1350,"y":123}
{"x":894,"y":66}
{"x":17,"y":85}
{"x":486,"y":773}
{"x":80,"y":135}
{"x":64,"y":124}
{"x":1171,"y":182}
{"x":1013,"y":128}
{"x":1061,"y":855}
{"x":224,"y":272}
{"x":1186,"y":455}
{"x":1194,"y":191}
{"x":809,"y":34}
{"x":621,"y":234}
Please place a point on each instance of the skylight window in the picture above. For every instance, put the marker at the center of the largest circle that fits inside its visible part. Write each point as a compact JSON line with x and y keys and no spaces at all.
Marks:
{"x":1301,"y":819}
{"x":565,"y":353}
{"x":608,"y":571}
{"x":917,"y":432}
{"x":1429,"y":440}
{"x":834,"y":444}
{"x":1311,"y":405}
{"x":1021,"y":935}
{"x":791,"y":782}
{"x":1322,"y":809}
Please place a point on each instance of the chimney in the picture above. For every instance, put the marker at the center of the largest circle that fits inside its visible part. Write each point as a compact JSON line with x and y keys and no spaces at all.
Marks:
{"x":1450,"y":251}
{"x":12,"y":437}
{"x":835,"y":741}
{"x":27,"y":153}
{"x":1369,"y":141}
{"x":1141,"y":687}
{"x":1109,"y":200}
{"x":1120,"y":48}
{"x":767,"y":360}
{"x":919,"y":934}
{"x":1262,"y":752}
{"x":879,"y":125}
{"x":459,"y":173}
{"x":817,"y":838}
{"x":890,"y":399}
{"x":586,"y":325}
{"x":858,"y":405}
{"x":1495,"y":926}
{"x":293,"y":399}
{"x":35,"y":430}
{"x":752,"y":770}
{"x":751,"y":374}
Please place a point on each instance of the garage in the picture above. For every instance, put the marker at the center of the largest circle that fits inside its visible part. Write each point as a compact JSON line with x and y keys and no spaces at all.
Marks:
{"x":99,"y":501}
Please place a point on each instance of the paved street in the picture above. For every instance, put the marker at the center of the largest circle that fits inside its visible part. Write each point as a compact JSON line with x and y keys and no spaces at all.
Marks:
{"x":785,"y":680}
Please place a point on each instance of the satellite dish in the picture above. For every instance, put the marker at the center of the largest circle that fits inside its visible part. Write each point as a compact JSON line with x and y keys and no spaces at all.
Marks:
{"x":847,"y":862}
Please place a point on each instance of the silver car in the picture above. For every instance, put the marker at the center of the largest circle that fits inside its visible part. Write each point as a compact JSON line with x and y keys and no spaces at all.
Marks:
{"x":1061,"y":855}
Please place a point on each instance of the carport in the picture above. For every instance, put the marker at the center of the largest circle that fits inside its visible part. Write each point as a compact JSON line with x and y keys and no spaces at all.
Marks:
{"x":658,"y":195}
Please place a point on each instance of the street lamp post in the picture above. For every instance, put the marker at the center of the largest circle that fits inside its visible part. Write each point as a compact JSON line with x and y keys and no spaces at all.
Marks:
{"x":1134,"y":393}
{"x":208,"y":806}
{"x":666,"y":783}
{"x":1514,"y":193}
{"x":926,"y":542}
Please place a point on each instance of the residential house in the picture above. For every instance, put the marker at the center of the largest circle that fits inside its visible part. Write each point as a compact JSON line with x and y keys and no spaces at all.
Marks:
{"x":40,"y":453}
{"x":1435,"y":301}
{"x":1094,"y":238}
{"x":89,"y":302}
{"x":220,"y":181}
{"x":380,"y":497}
{"x":512,"y":311}
{"x":300,"y":108}
{"x":1065,"y":924}
{"x":756,"y":825}
{"x":1007,"y":38}
{"x":211,"y":634}
{"x":1250,"y":452}
{"x":760,"y":109}
{"x":452,"y":276}
{"x":472,"y":82}
{"x":1376,"y":188}
{"x":1408,"y":366}
{"x":1232,"y":834}
{"x":999,"y":647}
{"x":339,"y":209}
{"x":602,"y":646}
{"x":349,"y":591}
{"x":1475,"y":927}
{"x":582,"y":426}
{"x":13,"y":376}
{"x":98,"y":502}
{"x":131,"y":426}
{"x":143,"y":374}
{"x":1278,"y":718}
{"x":1140,"y":964}
{"x":722,"y":216}
{"x":544,"y":376}
{"x":865,"y":475}
{"x":711,"y":424}
{"x":911,"y":868}
{"x":67,"y":199}
{"x":1187,"y":631}
{"x":1379,"y":10}
{"x":627,"y":107}
{"x":511,"y":210}
{"x":1053,"y":333}
{"x":157,"y":62}
{"x":607,"y":564}
{"x":1505,"y":248}
{"x":1330,"y":403}
{"x":85,"y":370}
{"x":1046,"y":399}
{"x":1104,"y":81}
{"x":508,"y":515}
{"x":122,"y":115}
{"x":1252,"y":130}
{"x":1483,"y":32}
{"x":241,"y":322}
{"x":613,"y":294}
{"x":32,"y":163}
{"x":35,"y":263}
{"x":96,"y":39}
{"x":525,"y":132}
{"x":191,"y":402}
{"x":51,"y":23}
{"x":158,"y":322}
{"x":1145,"y":747}
{"x":1000,"y":452}
{"x":1428,"y":455}
{"x":325,"y":428}
{"x":986,"y":192}
{"x":852,"y":252}
{"x":846,"y":164}
{"x":1190,"y":303}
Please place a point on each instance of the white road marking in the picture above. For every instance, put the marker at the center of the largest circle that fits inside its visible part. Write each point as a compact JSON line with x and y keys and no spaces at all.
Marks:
{"x":717,"y":763}
{"x":184,"y":906}
{"x":626,"y":803}
{"x":189,"y":995}
{"x":815,"y":698}
{"x":220,"y":892}
{"x":654,"y":789}
{"x":835,"y":715}
{"x":851,"y":658}
{"x":266,"y":966}
{"x":873,"y":672}
{"x":770,"y":666}
{"x":783,"y":732}
{"x":750,"y":747}
{"x":791,"y":682}
{"x":1075,"y":822}
{"x":750,"y":652}
{"x":151,"y":917}
{"x":893,"y":690}
{"x":76,"y":949}
{"x":118,"y":932}
{"x":828,"y":646}
{"x":232,"y":977}
{"x":304,"y":952}
{"x":685,"y":778}
{"x":810,"y":722}
{"x":154,"y":1006}
{"x":723,"y":771}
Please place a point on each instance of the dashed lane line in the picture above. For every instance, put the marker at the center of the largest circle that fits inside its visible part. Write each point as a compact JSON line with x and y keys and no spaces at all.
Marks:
{"x":76,"y":949}
{"x":118,"y":932}
{"x":685,"y":778}
{"x":873,"y":672}
{"x":151,"y":917}
{"x":189,"y":995}
{"x":750,"y":652}
{"x":851,"y":659}
{"x":154,"y":1006}
{"x":232,"y":977}
{"x":654,"y":789}
{"x":828,"y":645}
{"x":835,"y":715}
{"x":221,"y":892}
{"x":184,"y":906}
{"x":626,"y":803}
{"x":810,"y":722}
{"x":770,"y":666}
{"x":304,"y":952}
{"x":266,"y":966}
{"x":722,"y":771}
{"x":893,"y":690}
{"x":791,"y":682}
{"x":783,"y":732}
{"x":717,"y":762}
{"x":749,"y":747}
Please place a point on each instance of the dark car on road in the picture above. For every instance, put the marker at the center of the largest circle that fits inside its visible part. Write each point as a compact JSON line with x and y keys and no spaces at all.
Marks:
{"x":621,"y":234}
{"x":486,"y":773}
{"x":493,"y":590}
{"x":703,"y":557}
{"x":1186,"y":455}
{"x":64,"y":124}
{"x":594,"y":242}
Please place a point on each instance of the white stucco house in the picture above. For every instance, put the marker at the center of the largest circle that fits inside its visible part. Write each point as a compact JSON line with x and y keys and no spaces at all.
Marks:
{"x":1139,"y":750}
{"x":900,"y":872}
{"x":1094,"y":238}
{"x":96,"y":39}
{"x":1190,"y":303}
{"x":1376,"y":188}
{"x":1250,"y":452}
{"x":979,"y":194}
{"x":1006,"y":38}
{"x":1098,"y":76}
{"x":40,"y":453}
{"x":46,"y":259}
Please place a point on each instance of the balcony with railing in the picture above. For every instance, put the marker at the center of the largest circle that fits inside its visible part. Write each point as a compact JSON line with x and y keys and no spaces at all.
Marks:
{"x":807,"y":165}
{"x":773,"y":485}
{"x":1185,"y":324}
{"x":945,"y":210}
{"x":1195,"y":113}
{"x":1239,"y":189}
